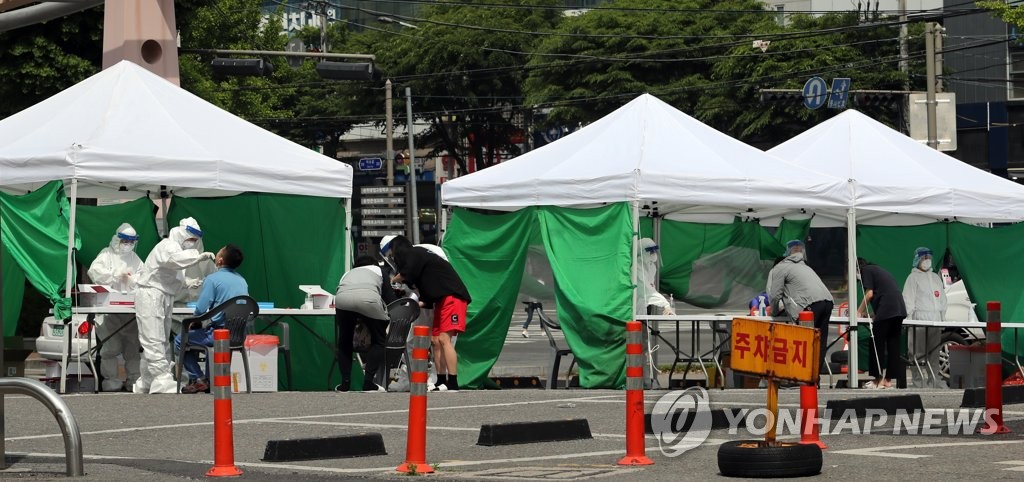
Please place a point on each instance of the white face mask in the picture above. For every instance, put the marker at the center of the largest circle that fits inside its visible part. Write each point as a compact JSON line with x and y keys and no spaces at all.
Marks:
{"x":798,"y":256}
{"x":652,"y":258}
{"x":926,"y":265}
{"x":125,"y":247}
{"x":188,"y":244}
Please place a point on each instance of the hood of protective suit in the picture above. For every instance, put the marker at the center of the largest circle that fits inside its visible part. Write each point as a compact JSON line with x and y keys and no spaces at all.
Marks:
{"x":919,"y":254}
{"x":124,"y":228}
{"x":385,"y":242}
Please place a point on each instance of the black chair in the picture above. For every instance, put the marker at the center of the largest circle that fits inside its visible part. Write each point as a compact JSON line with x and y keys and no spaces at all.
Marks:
{"x":403,"y":313}
{"x":557,"y":352}
{"x":239,"y":313}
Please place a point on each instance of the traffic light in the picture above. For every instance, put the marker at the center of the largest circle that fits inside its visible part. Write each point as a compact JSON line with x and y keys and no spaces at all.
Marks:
{"x":345,"y":70}
{"x":252,"y":67}
{"x":782,"y":96}
{"x":876,"y":99}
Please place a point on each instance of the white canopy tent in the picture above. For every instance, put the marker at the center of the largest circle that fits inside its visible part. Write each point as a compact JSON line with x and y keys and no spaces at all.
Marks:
{"x":649,"y":151}
{"x":660,"y":160}
{"x":126,"y":133}
{"x":895,"y":180}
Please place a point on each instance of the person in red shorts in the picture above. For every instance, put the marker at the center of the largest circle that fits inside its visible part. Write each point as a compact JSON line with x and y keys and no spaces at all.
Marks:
{"x":441,"y":288}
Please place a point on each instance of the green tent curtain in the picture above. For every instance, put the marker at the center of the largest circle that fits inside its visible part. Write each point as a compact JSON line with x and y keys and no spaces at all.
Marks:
{"x":892,"y":247}
{"x":489,"y":253}
{"x":287,"y":241}
{"x":97,"y":224}
{"x":736,"y":253}
{"x":34,"y":232}
{"x":588,"y":250}
{"x":593,"y":288}
{"x":13,"y":291}
{"x":790,"y":229}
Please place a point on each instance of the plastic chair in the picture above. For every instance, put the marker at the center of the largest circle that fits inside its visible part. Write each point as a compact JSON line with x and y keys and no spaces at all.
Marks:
{"x":403,"y":312}
{"x":557,"y":352}
{"x":239,"y":313}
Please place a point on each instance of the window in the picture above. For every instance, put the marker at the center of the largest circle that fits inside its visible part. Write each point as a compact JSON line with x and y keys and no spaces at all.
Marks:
{"x":780,"y":15}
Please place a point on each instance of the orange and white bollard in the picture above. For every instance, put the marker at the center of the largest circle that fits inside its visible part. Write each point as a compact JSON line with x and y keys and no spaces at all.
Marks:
{"x":993,"y":373}
{"x":636,"y":454}
{"x":809,"y":416}
{"x":223,"y":440}
{"x":416,"y":441}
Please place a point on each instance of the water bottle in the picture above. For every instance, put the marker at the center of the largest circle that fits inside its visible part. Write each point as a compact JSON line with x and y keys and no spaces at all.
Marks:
{"x":760,"y":306}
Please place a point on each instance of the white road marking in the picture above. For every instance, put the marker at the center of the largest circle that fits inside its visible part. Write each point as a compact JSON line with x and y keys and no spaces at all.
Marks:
{"x":881,"y":451}
{"x":1019,"y":465}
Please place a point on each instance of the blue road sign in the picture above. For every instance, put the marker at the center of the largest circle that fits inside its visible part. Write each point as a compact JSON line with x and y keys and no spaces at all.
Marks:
{"x":370,"y":164}
{"x":839,"y":93}
{"x":815,"y":93}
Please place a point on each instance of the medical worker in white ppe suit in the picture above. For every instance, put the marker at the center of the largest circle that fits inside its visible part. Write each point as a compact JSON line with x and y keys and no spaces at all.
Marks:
{"x":925,"y":297}
{"x":118,"y":266}
{"x":163,"y":275}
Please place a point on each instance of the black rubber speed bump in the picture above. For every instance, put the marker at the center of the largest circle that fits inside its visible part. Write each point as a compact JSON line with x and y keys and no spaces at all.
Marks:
{"x":339,"y":447}
{"x":518,"y":382}
{"x":975,"y":397}
{"x":532,"y":432}
{"x":891,"y":404}
{"x":719,"y":419}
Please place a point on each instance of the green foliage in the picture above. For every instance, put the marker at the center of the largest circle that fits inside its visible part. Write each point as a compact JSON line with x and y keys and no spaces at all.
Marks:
{"x":702,"y":62}
{"x":1011,"y":14}
{"x":473,"y":72}
{"x":40,"y":60}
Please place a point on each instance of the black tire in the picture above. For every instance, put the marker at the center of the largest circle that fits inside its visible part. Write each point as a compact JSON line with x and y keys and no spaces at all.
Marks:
{"x":949,"y":338}
{"x":751,"y":458}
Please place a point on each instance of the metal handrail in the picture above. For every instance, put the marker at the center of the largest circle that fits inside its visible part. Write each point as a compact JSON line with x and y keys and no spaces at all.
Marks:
{"x":60,"y":411}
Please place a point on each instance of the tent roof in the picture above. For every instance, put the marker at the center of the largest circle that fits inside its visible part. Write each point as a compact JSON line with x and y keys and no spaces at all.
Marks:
{"x":648,"y":151}
{"x":897,"y":180}
{"x":125,"y":132}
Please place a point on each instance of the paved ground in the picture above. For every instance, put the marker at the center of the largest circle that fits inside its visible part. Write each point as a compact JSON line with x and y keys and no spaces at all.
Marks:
{"x":132,"y":437}
{"x":170,"y":437}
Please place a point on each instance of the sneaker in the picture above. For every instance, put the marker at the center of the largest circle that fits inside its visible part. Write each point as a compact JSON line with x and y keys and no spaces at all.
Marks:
{"x":440,"y":387}
{"x":525,"y":334}
{"x":374,"y":389}
{"x":198,"y":386}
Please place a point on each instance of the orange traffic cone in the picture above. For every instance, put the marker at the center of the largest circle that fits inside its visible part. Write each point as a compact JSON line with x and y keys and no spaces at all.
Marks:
{"x":809,"y":420}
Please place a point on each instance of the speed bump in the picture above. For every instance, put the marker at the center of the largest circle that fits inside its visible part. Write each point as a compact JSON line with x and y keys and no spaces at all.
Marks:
{"x":532,"y":432}
{"x":338,"y":447}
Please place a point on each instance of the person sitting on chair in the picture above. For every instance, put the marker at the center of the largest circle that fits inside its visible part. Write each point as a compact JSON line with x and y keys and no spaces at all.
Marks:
{"x":362,"y":297}
{"x":219,"y":287}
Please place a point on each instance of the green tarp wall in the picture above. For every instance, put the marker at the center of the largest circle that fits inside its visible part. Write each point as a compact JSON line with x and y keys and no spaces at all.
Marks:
{"x":97,"y":224}
{"x":593,"y":292}
{"x":287,"y":241}
{"x":34,"y":233}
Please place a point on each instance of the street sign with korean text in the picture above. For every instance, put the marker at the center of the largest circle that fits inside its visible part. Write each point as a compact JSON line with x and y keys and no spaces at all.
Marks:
{"x":384,"y":222}
{"x":381,"y":200}
{"x":379,"y":233}
{"x":370,"y":164}
{"x":815,"y":93}
{"x":375,"y":190}
{"x":383,"y":211}
{"x":778,"y":350}
{"x":840,"y":93}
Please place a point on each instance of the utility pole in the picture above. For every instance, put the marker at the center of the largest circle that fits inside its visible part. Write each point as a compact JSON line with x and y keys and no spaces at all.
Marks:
{"x":389,"y":131}
{"x":904,"y":67}
{"x":930,"y":29}
{"x":412,"y":169}
{"x":319,"y":7}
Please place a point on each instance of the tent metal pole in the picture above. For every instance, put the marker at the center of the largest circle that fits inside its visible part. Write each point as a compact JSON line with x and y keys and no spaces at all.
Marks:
{"x":441,"y":228}
{"x":851,"y":285}
{"x":3,"y":416}
{"x":68,"y":280}
{"x":636,"y":244}
{"x":348,"y":236}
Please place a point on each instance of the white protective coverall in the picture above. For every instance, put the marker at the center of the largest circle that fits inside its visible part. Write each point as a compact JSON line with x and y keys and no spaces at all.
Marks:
{"x":162,"y":277}
{"x":925,"y":297}
{"x":194,"y":276}
{"x":118,"y":266}
{"x":647,"y":278}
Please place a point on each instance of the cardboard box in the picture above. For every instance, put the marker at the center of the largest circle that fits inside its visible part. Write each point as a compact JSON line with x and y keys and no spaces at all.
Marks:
{"x":316,"y":297}
{"x":262,"y":350}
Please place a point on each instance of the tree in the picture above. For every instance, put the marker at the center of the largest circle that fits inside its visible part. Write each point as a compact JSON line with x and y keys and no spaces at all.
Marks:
{"x":464,"y":66}
{"x":697,"y":55}
{"x":1011,"y":14}
{"x":41,"y":60}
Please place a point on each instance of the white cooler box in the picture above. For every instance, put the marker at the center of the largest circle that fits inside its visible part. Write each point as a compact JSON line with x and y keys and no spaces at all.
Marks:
{"x":967,"y":366}
{"x":262,"y":351}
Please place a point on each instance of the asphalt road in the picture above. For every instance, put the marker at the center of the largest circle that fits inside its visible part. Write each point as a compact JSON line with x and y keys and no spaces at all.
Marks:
{"x":169,"y":437}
